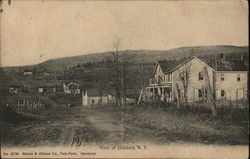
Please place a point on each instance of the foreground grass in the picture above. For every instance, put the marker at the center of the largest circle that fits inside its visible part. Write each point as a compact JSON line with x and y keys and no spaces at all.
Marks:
{"x":192,"y":124}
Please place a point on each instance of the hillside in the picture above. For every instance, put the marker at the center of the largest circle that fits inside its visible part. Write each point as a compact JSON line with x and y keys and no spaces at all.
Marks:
{"x":145,"y":56}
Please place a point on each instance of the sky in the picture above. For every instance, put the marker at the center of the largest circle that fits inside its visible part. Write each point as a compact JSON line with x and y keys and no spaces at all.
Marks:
{"x":33,"y":31}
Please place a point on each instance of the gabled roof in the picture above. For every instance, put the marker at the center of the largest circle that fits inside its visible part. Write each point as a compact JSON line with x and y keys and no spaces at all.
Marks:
{"x":168,"y":66}
{"x":71,"y":83}
{"x":226,"y":65}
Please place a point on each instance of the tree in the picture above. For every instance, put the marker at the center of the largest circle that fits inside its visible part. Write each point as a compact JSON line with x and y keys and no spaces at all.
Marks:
{"x":210,"y":92}
{"x":101,"y":85}
{"x":115,"y":74}
{"x":118,"y":73}
{"x":184,"y":75}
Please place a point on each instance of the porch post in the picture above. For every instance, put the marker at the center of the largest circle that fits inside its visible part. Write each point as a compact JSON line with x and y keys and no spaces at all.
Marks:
{"x":162,"y":95}
{"x":153,"y":92}
{"x":170,"y":95}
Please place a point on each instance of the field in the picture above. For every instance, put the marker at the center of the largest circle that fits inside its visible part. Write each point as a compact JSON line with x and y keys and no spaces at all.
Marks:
{"x":79,"y":126}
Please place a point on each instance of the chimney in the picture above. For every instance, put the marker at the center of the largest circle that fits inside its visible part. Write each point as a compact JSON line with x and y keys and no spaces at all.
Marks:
{"x":84,"y":98}
{"x":222,"y":56}
{"x":215,"y":62}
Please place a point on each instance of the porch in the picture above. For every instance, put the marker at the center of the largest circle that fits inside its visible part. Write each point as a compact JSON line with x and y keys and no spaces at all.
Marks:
{"x":160,"y":93}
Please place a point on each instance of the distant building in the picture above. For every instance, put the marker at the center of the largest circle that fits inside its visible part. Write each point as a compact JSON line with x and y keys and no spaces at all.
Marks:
{"x":26,"y":73}
{"x":47,"y":88}
{"x":226,"y":79}
{"x":92,"y":97}
{"x":45,"y":74}
{"x":71,"y":88}
{"x":15,"y":89}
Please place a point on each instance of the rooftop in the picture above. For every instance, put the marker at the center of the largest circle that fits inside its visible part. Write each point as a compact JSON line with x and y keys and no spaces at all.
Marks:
{"x":218,"y":65}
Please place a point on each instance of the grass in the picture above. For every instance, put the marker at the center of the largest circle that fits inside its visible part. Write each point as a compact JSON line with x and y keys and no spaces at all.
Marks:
{"x":192,"y":124}
{"x":158,"y":123}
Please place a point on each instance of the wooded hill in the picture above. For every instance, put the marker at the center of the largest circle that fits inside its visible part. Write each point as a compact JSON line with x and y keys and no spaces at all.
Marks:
{"x":145,"y":56}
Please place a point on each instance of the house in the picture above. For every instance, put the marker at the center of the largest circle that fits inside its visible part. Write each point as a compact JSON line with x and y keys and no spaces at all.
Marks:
{"x":197,"y":79}
{"x":45,"y":74}
{"x":27,"y":73}
{"x":42,"y":73}
{"x":92,"y":97}
{"x":15,"y":89}
{"x":47,"y":88}
{"x":71,"y":88}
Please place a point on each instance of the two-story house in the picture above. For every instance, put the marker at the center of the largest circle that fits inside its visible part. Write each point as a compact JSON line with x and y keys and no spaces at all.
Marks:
{"x":196,"y":79}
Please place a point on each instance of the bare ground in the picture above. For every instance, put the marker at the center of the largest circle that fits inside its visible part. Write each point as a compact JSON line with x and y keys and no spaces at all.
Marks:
{"x":91,"y":126}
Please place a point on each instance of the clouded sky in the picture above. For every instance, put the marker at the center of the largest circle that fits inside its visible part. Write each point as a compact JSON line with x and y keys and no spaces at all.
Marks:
{"x":38,"y":30}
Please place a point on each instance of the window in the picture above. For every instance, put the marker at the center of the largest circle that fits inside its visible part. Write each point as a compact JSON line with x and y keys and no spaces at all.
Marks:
{"x":201,"y":76}
{"x":151,"y":92}
{"x":222,"y":78}
{"x":238,"y":77}
{"x":205,"y":93}
{"x":200,"y":93}
{"x":166,"y":78}
{"x":240,"y":94}
{"x":223,"y":93}
{"x":183,"y":75}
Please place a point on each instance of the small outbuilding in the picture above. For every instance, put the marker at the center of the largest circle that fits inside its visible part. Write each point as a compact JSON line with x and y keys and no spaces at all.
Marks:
{"x":47,"y":88}
{"x":15,"y":89}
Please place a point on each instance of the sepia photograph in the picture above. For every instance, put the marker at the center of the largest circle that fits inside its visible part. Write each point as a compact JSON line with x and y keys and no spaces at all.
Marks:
{"x":124,"y":79}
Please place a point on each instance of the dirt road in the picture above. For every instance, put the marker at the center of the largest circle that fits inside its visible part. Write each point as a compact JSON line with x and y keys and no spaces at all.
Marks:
{"x":67,"y":126}
{"x":81,"y":126}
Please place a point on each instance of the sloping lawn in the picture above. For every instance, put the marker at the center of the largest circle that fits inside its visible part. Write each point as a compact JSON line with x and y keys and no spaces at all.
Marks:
{"x":230,"y":127}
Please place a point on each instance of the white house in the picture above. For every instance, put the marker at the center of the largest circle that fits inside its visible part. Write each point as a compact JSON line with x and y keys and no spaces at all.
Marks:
{"x":27,"y":73}
{"x":196,"y":79}
{"x":93,"y":97}
{"x":71,"y":88}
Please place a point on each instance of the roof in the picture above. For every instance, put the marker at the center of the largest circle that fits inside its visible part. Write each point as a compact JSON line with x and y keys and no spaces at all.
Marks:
{"x":222,"y":65}
{"x":225,"y":64}
{"x":93,"y":92}
{"x":168,"y":65}
{"x":70,"y":83}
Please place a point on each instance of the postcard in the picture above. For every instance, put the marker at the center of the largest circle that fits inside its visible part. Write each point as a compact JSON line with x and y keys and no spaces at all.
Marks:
{"x":124,"y":79}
